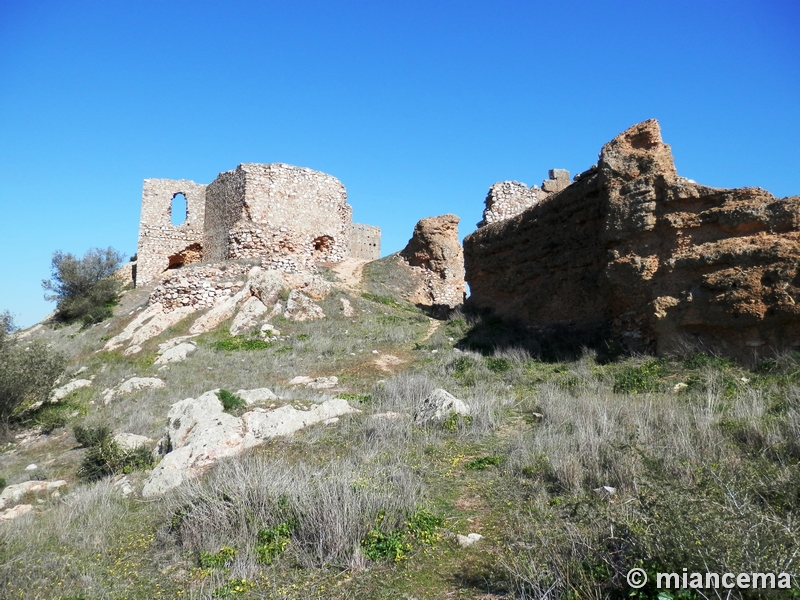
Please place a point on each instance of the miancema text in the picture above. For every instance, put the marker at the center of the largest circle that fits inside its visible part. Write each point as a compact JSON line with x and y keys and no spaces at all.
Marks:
{"x":754,"y":581}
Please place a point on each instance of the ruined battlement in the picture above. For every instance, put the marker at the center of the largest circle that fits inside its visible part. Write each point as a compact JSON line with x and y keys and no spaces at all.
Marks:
{"x":290,"y":217}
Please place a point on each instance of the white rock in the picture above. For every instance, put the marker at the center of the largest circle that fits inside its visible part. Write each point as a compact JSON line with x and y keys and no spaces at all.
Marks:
{"x":323,"y":383}
{"x":66,"y":390}
{"x":300,"y":307}
{"x":126,"y":334}
{"x":135,"y":384}
{"x":347,"y":308}
{"x":164,"y":346}
{"x":13,"y":493}
{"x":256,"y":395}
{"x":200,"y":433}
{"x":17,"y":511}
{"x":176,"y":353}
{"x":131,"y":441}
{"x":465,"y":541}
{"x":248,"y":316}
{"x":300,"y":380}
{"x":266,"y":285}
{"x":438,"y":406}
{"x":220,"y":312}
{"x":31,"y":467}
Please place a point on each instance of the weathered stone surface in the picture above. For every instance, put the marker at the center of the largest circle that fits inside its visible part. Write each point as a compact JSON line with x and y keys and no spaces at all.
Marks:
{"x":131,"y":441}
{"x":507,"y":199}
{"x":465,"y":541}
{"x":266,"y":285}
{"x":435,"y":251}
{"x":134,"y":384}
{"x":14,"y":493}
{"x":438,"y":406}
{"x":248,"y":316}
{"x":158,"y":324}
{"x":199,"y":433}
{"x":65,"y":390}
{"x":635,"y":251}
{"x":257,"y":395}
{"x":290,"y":217}
{"x":15,"y":512}
{"x":300,"y":307}
{"x":177,"y":353}
{"x":221,"y":312}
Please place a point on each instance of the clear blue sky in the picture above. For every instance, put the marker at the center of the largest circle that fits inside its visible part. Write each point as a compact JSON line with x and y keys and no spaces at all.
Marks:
{"x":417,"y":107}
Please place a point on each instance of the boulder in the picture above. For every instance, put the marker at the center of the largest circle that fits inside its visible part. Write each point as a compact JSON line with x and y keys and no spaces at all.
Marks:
{"x":257,"y":395}
{"x":199,"y":433}
{"x":131,"y":441}
{"x":176,"y":353}
{"x":13,"y":493}
{"x":16,"y":511}
{"x":66,"y":390}
{"x":438,"y":406}
{"x":248,"y":316}
{"x":300,"y":307}
{"x":266,"y":285}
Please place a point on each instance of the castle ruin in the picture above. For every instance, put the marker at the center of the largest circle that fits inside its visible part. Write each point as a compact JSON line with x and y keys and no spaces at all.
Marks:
{"x":292,"y":218}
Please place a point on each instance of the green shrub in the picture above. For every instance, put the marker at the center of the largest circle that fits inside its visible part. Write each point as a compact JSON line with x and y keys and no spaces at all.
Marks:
{"x":230,"y":401}
{"x":240,"y":342}
{"x":483,"y":462}
{"x":422,"y":527}
{"x":105,"y":457}
{"x":91,"y":436}
{"x":3,"y":483}
{"x":385,"y":300}
{"x":28,"y":372}
{"x":217,"y":560}
{"x":699,"y":360}
{"x":233,"y":587}
{"x":84,"y":288}
{"x":52,"y":417}
{"x":272,"y":541}
{"x":498,"y":364}
{"x":644,"y":378}
{"x":360,"y":398}
{"x":456,"y":421}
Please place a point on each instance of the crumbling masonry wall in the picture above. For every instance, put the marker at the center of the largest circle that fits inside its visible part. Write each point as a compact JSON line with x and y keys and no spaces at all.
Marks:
{"x":159,"y":239}
{"x":507,"y":199}
{"x":289,"y":217}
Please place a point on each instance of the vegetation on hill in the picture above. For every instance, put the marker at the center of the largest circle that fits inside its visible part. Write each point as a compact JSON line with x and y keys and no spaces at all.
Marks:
{"x":28,"y":371}
{"x":573,"y":467}
{"x":84,"y":288}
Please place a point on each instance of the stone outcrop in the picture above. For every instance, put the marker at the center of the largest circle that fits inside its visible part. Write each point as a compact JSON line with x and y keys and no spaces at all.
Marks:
{"x":438,"y":406}
{"x":434,"y":252}
{"x":199,"y":433}
{"x":290,"y":217}
{"x":632,"y":250}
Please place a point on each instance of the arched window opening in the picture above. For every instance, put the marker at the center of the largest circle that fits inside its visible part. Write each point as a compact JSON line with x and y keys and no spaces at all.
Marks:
{"x":179,"y":210}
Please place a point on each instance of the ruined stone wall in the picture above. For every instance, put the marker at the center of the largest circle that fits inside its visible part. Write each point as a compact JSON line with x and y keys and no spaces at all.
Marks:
{"x":658,"y":261}
{"x":224,"y":207}
{"x":158,"y":237}
{"x":200,"y":286}
{"x":291,"y":218}
{"x":507,"y":199}
{"x":365,"y":242}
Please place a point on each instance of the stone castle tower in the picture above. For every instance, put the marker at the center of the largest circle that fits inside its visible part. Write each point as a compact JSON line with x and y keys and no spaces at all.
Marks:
{"x":290,"y":217}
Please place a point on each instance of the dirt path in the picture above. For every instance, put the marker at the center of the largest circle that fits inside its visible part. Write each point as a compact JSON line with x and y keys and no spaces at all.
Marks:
{"x":350,"y":272}
{"x":432,"y":327}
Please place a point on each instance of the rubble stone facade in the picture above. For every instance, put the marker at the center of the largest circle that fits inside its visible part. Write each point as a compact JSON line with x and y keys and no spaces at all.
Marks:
{"x":507,"y":199}
{"x":290,"y":217}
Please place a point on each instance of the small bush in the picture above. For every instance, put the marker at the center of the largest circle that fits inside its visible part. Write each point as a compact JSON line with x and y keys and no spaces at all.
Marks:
{"x":644,"y":378}
{"x":483,"y":462}
{"x":456,"y":421}
{"x":498,"y":364}
{"x":3,"y":483}
{"x":422,"y":527}
{"x":105,"y":457}
{"x":272,"y":541}
{"x":84,"y":288}
{"x":385,"y":300}
{"x":217,"y":560}
{"x":28,"y":373}
{"x":240,"y":342}
{"x":91,"y":436}
{"x":230,"y":401}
